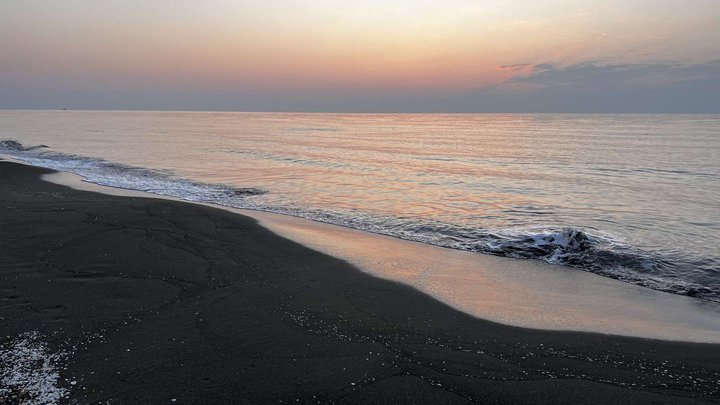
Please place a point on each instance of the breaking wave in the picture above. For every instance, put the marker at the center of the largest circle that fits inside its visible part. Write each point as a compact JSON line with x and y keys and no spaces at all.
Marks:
{"x":117,"y":175}
{"x":15,"y":146}
{"x":586,"y":249}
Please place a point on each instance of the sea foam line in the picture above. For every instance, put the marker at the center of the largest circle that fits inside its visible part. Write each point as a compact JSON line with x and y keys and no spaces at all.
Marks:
{"x":569,"y":246}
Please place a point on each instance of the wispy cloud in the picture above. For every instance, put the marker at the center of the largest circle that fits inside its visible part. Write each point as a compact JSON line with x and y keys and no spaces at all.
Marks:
{"x":601,"y":76}
{"x":597,"y":86}
{"x":517,"y":67}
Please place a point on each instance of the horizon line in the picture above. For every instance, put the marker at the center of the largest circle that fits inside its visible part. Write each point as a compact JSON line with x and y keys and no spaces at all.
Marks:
{"x":365,"y":112}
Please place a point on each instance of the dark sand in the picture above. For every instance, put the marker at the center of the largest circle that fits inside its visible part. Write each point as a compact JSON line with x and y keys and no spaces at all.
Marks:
{"x":157,"y":300}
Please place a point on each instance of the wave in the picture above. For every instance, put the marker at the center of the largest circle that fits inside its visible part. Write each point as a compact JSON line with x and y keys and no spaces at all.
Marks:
{"x":15,"y":146}
{"x":599,"y":254}
{"x":117,"y":175}
{"x":586,"y":249}
{"x":591,"y":251}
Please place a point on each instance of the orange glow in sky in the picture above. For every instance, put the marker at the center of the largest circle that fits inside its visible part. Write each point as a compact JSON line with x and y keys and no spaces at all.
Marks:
{"x":446,"y":46}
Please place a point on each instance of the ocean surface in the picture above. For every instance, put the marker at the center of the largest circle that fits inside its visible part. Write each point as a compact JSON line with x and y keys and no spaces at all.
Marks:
{"x":632,"y":197}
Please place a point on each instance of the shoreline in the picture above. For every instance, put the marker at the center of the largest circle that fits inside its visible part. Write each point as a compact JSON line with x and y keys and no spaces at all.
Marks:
{"x":515,"y":292}
{"x":155,"y":300}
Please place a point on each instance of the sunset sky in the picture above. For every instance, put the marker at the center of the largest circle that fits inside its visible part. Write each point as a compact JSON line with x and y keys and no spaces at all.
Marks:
{"x":369,"y":55}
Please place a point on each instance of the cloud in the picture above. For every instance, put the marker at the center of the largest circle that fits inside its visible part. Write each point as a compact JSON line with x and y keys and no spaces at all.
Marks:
{"x":602,"y":87}
{"x":589,"y":87}
{"x":595,"y":75}
{"x":516,"y":67}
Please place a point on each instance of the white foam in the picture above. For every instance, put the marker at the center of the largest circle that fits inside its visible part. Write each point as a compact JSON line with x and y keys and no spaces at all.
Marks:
{"x":587,"y":249}
{"x":524,"y":293}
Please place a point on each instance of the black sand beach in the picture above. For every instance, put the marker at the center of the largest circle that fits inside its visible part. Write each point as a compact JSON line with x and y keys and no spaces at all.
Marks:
{"x":155,"y":301}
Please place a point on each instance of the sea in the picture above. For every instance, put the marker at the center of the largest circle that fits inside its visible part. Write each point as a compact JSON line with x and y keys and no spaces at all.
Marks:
{"x":631,"y":197}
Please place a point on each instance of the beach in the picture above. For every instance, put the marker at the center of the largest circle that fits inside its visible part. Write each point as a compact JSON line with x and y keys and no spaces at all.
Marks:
{"x":155,"y":301}
{"x":394,"y":202}
{"x":526,"y":293}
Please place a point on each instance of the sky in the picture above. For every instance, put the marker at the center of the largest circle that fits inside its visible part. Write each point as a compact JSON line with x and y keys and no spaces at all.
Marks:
{"x":362,"y":55}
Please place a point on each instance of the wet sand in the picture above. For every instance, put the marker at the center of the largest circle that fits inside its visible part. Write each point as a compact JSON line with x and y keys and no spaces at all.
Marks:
{"x":527,"y":293}
{"x":154,"y":300}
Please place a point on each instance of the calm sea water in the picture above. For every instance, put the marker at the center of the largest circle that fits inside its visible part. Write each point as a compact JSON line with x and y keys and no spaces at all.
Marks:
{"x":634,"y":197}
